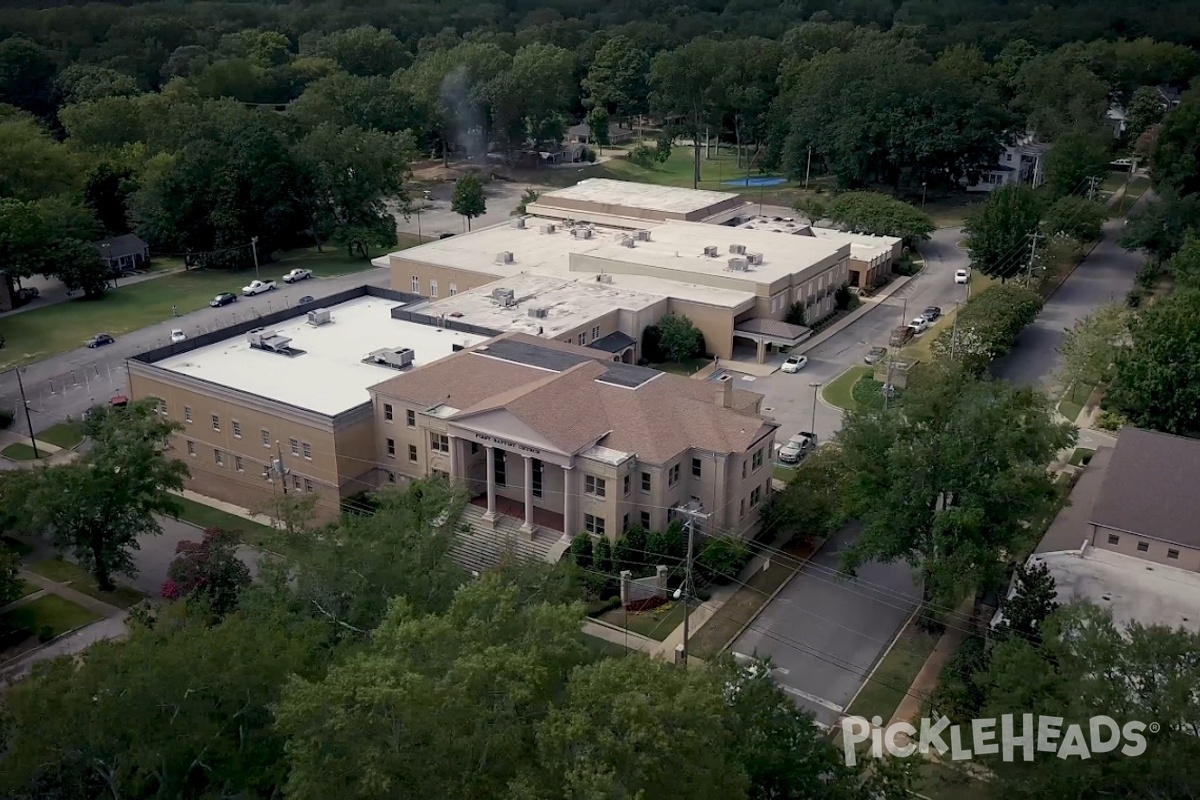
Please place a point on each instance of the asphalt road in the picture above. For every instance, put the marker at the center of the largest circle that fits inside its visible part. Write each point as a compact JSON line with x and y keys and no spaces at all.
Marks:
{"x":823,"y":634}
{"x":439,"y":219}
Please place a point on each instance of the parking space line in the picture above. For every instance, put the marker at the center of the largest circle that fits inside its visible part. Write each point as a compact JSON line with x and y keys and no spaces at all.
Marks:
{"x":812,"y":698}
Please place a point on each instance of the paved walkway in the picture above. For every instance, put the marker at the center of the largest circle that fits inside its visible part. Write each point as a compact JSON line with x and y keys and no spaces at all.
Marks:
{"x":228,"y":508}
{"x":611,"y":633}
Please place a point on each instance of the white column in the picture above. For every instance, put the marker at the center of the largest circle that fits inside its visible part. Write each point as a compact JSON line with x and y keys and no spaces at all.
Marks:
{"x":568,"y":502}
{"x":491,"y":483}
{"x":528,"y":526}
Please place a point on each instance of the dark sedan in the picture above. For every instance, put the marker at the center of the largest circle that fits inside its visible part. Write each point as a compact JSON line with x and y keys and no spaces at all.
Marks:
{"x":308,"y":298}
{"x":223,"y":299}
{"x":99,"y":340}
{"x":932,"y":313}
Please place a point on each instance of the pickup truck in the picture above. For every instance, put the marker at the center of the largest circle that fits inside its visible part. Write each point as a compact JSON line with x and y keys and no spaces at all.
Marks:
{"x":297,"y":275}
{"x":257,"y":287}
{"x":901,"y":336}
{"x":796,"y":448}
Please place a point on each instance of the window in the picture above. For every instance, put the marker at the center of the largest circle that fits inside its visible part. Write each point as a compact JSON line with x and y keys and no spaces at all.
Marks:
{"x":237,"y":429}
{"x":645,"y":481}
{"x":583,"y":338}
{"x":1173,"y":554}
{"x":626,"y":482}
{"x":416,"y":285}
{"x":1113,"y":538}
{"x":219,"y":457}
{"x":758,"y":459}
{"x":295,"y":445}
{"x":439,"y":442}
{"x":538,"y":467}
{"x":475,"y":449}
{"x":498,"y":457}
{"x":673,"y":475}
{"x":644,"y":519}
{"x":412,"y":453}
{"x":391,"y":448}
{"x":216,"y":422}
{"x":742,"y":508}
{"x":162,"y":407}
{"x":296,"y":481}
{"x":266,"y":437}
{"x":1143,"y":547}
{"x":625,"y":524}
{"x":432,"y":288}
{"x":391,"y":477}
{"x":743,"y":470}
{"x":191,"y":448}
{"x":595,"y":333}
{"x":594,"y":486}
{"x":593,"y":525}
{"x":755,"y":496}
{"x":307,"y":451}
{"x":453,"y":289}
{"x":187,"y":413}
{"x":238,"y":465}
{"x":697,"y":468}
{"x":387,"y":411}
{"x":308,"y":485}
{"x":410,"y":418}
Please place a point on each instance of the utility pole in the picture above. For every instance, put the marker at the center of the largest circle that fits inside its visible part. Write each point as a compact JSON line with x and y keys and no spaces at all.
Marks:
{"x":808,"y":169}
{"x":1033,"y":240}
{"x":813,"y":426}
{"x":254,"y":247}
{"x":923,"y":187}
{"x":25,"y":405}
{"x":686,"y":591}
{"x":279,"y":469}
{"x":1125,"y":191}
{"x":1093,"y":181}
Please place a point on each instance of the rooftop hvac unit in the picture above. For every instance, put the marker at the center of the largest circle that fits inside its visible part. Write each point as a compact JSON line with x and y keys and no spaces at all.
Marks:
{"x":519,"y":222}
{"x":642,"y":235}
{"x":740,"y":249}
{"x":319,"y":317}
{"x":395,"y":357}
{"x":754,"y":258}
{"x":505,"y":297}
{"x":627,"y":241}
{"x":738,"y":264}
{"x":540,"y":313}
{"x":264,"y":339}
{"x":504,"y":257}
{"x":549,"y":228}
{"x":711,"y":251}
{"x":604,"y":277}
{"x":582,"y":233}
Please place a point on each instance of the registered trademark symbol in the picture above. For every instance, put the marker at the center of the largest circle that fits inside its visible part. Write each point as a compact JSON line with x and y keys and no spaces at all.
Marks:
{"x":1154,"y":727}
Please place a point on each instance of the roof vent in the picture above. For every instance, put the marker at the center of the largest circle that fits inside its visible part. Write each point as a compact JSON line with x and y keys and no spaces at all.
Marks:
{"x":604,"y":277}
{"x":394,"y":357}
{"x":754,"y":258}
{"x":738,"y":264}
{"x":626,"y":241}
{"x":519,"y":222}
{"x":549,"y":228}
{"x":540,"y":313}
{"x":504,"y":257}
{"x":505,"y":297}
{"x":711,"y":251}
{"x":263,"y":339}
{"x":739,"y":249}
{"x":582,"y":233}
{"x":642,"y":235}
{"x":319,"y":317}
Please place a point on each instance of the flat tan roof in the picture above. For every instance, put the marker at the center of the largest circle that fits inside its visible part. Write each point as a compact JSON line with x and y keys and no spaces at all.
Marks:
{"x":644,"y":196}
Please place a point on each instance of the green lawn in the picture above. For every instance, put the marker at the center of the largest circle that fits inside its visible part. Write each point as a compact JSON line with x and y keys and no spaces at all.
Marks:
{"x":57,"y":328}
{"x":18,"y":451}
{"x":52,"y":612}
{"x":656,"y":624}
{"x":952,"y":211}
{"x":1072,"y":403}
{"x":65,"y":434}
{"x":685,"y":368}
{"x":602,"y":648}
{"x":79,"y":579}
{"x":204,"y":516}
{"x":27,"y":589}
{"x":19,"y":547}
{"x":881,"y":695}
{"x":839,"y":391}
{"x":676,"y":171}
{"x":1081,"y":456}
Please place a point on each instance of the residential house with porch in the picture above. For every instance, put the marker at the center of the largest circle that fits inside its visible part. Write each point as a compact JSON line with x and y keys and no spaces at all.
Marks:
{"x":123,"y":253}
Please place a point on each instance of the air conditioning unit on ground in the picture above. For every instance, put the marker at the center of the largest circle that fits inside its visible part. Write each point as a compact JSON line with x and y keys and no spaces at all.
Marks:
{"x":319,"y":317}
{"x":604,"y":277}
{"x":711,"y":251}
{"x":754,"y":258}
{"x":539,"y":313}
{"x":738,"y":264}
{"x":740,"y":249}
{"x":549,"y":228}
{"x":504,"y":257}
{"x":505,"y":297}
{"x":642,"y":235}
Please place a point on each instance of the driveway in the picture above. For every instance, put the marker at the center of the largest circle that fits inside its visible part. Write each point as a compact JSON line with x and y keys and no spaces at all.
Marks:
{"x":70,"y":383}
{"x":824,"y":634}
{"x":502,"y":198}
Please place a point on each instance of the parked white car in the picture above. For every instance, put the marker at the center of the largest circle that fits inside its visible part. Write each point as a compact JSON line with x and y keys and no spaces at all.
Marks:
{"x":177,"y":335}
{"x":795,"y":363}
{"x":257,"y":287}
{"x":297,"y":275}
{"x":962,"y":275}
{"x":919,"y":325}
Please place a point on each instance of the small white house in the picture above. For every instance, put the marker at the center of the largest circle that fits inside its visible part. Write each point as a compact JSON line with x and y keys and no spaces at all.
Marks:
{"x":1021,"y":161}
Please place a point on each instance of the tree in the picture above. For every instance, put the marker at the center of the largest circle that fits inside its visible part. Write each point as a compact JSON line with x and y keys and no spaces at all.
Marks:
{"x":80,"y":83}
{"x":1184,"y":266}
{"x":1026,"y":610}
{"x":27,"y":73}
{"x":1075,"y":158}
{"x":1058,"y":93}
{"x":1160,"y":228}
{"x":97,"y":506}
{"x":924,"y":495}
{"x":686,"y":90}
{"x":77,"y":264}
{"x":531,"y":99}
{"x":12,"y":585}
{"x":25,"y":243}
{"x":529,"y":195}
{"x":371,"y":103}
{"x":1175,"y":161}
{"x":679,"y":338}
{"x":602,"y":556}
{"x":880,"y":215}
{"x":986,"y":327}
{"x":597,"y":122}
{"x":1075,"y":217}
{"x":209,"y":571}
{"x":1089,"y":350}
{"x":616,"y":79}
{"x":1145,"y":110}
{"x":34,"y":165}
{"x":107,"y":123}
{"x":469,"y":199}
{"x":1156,"y":383}
{"x":812,"y":504}
{"x":363,"y":50}
{"x":997,"y":232}
{"x":581,"y":550}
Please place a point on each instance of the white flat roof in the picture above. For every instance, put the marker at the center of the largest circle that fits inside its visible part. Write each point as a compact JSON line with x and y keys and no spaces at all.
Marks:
{"x":569,"y":303}
{"x":862,"y":245}
{"x":329,"y":377}
{"x":665,"y":199}
{"x":1133,"y":589}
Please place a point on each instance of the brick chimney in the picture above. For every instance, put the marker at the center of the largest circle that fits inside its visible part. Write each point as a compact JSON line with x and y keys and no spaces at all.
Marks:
{"x":725,"y":394}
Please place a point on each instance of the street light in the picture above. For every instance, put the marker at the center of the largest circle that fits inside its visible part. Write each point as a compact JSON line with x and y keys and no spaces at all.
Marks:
{"x":813,"y":426}
{"x":922,"y":195}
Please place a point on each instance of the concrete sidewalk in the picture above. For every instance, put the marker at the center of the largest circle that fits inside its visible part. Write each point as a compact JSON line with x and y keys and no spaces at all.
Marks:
{"x":228,"y":508}
{"x":926,"y":681}
{"x":611,"y":633}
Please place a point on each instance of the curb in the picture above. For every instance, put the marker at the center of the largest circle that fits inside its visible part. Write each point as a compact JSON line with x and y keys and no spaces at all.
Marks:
{"x":821,"y":394}
{"x":875,"y":667}
{"x":771,"y":599}
{"x":857,"y":314}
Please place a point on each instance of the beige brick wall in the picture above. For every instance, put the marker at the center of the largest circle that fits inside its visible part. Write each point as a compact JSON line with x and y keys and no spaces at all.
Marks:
{"x":1156,"y":551}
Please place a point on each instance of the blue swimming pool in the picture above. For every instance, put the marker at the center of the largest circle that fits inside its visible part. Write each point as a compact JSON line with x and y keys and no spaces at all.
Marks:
{"x":756,"y":181}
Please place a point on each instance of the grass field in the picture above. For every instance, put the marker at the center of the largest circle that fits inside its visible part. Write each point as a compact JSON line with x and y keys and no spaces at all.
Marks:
{"x":52,"y":612}
{"x":204,"y":516}
{"x":881,"y":695}
{"x":65,"y":434}
{"x":1072,"y":402}
{"x":18,"y":451}
{"x":685,"y":368}
{"x":676,"y":171}
{"x":840,"y":391}
{"x":58,"y":328}
{"x":602,"y":648}
{"x":79,"y":579}
{"x":656,"y":624}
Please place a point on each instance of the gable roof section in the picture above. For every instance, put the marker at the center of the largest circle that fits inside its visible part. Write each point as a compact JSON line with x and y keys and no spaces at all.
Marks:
{"x":1150,"y":488}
